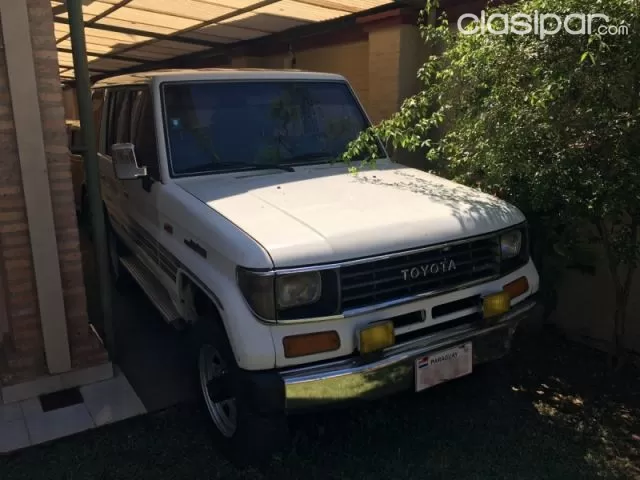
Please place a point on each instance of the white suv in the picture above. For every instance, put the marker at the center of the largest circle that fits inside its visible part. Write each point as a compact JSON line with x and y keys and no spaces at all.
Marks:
{"x":304,"y":285}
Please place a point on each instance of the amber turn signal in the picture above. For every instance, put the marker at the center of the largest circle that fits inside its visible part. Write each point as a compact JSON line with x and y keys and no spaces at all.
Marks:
{"x":517,"y":287}
{"x":496,"y":304}
{"x":310,"y":343}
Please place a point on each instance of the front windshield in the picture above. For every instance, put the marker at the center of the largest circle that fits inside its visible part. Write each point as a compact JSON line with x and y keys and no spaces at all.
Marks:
{"x":226,"y":126}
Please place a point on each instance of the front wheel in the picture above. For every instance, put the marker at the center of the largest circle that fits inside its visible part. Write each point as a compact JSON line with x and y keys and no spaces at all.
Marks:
{"x":245,"y":435}
{"x":213,"y":373}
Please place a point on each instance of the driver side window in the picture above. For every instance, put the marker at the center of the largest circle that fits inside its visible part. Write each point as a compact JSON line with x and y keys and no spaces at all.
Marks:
{"x":144,"y":134}
{"x":116,"y":104}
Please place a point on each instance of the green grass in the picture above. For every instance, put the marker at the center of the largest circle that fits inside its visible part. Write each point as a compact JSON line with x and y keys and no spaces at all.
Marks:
{"x":550,"y":411}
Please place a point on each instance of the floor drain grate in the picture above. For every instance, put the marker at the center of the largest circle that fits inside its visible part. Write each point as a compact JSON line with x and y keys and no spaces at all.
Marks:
{"x":61,"y":399}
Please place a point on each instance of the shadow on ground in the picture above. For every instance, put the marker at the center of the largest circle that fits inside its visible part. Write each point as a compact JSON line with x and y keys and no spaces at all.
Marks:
{"x":150,"y":353}
{"x":549,"y":411}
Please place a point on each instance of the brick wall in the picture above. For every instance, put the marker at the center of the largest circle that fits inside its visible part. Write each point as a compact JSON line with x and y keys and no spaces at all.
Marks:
{"x":24,"y":352}
{"x":384,"y":53}
{"x":70,"y":104}
{"x":349,"y":60}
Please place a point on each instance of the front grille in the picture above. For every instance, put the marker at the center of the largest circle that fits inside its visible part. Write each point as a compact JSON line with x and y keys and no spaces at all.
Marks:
{"x":414,"y":273}
{"x":448,"y":308}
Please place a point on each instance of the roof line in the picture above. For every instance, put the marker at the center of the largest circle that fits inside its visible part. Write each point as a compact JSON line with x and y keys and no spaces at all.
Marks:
{"x":107,"y":55}
{"x":186,"y":16}
{"x":198,"y":26}
{"x":330,"y":4}
{"x":107,"y":12}
{"x":92,"y":69}
{"x":142,"y":33}
{"x":283,"y":36}
{"x":125,"y":80}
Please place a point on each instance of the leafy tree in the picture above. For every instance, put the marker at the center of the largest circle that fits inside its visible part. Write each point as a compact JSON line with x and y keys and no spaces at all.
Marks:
{"x":550,"y":124}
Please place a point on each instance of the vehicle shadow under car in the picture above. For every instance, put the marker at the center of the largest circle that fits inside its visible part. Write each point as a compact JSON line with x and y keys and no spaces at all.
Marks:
{"x":549,"y":410}
{"x":152,"y":355}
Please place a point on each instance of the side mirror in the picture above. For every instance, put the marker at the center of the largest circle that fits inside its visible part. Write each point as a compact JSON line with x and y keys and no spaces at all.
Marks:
{"x":125,"y":165}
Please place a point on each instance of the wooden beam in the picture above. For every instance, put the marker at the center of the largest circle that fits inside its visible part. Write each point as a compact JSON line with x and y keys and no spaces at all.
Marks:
{"x":107,"y":55}
{"x":104,"y":14}
{"x":333,"y":5}
{"x":143,"y":33}
{"x":195,"y":28}
{"x":58,"y":9}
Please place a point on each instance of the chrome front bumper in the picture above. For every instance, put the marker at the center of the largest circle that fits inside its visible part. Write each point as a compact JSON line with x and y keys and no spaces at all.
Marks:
{"x":393,"y":371}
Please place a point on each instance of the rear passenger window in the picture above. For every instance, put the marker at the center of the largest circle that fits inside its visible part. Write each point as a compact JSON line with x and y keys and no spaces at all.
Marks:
{"x":108,"y":125}
{"x":124,"y":108}
{"x":97,"y":99}
{"x":114,"y":106}
{"x":118,"y":128}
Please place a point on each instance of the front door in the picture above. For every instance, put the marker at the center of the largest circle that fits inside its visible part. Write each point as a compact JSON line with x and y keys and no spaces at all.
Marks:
{"x":140,"y":196}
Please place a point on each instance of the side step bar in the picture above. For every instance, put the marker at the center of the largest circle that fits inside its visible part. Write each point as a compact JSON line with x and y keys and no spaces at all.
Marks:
{"x":154,"y":290}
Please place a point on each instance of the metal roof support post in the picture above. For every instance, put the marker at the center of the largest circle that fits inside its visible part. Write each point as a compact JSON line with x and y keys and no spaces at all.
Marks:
{"x":85,"y":111}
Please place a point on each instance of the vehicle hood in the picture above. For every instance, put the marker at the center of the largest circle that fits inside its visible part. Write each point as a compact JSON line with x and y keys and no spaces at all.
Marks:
{"x":325,"y":214}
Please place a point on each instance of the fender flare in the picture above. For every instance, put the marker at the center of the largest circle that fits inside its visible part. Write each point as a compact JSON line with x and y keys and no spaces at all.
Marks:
{"x":183,"y":273}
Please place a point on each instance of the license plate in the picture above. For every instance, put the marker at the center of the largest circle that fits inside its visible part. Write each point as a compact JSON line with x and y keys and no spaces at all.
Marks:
{"x":443,"y":366}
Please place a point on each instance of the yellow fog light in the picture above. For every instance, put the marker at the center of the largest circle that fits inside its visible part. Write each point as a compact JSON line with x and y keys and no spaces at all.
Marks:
{"x":376,"y":337}
{"x":496,"y":304}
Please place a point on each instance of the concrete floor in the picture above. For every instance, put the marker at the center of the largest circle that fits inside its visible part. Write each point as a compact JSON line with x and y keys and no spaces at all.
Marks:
{"x":28,"y":422}
{"x":152,"y":373}
{"x":152,"y":355}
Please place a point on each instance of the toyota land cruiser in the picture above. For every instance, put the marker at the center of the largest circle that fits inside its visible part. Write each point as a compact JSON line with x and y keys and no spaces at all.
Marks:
{"x":303,"y":284}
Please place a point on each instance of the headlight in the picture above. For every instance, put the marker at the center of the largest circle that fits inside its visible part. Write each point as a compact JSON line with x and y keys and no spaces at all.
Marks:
{"x":510,"y":244}
{"x":514,"y":249}
{"x":275,"y":296}
{"x":297,"y":289}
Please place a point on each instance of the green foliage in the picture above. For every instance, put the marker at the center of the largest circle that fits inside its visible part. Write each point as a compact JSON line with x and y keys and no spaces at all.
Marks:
{"x":550,"y":124}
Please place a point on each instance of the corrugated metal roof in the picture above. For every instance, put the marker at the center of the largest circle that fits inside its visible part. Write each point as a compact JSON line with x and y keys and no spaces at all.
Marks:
{"x":125,"y":34}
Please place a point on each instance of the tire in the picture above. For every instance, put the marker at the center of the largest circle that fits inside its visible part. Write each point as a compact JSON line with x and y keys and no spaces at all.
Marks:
{"x":119,"y":275}
{"x":245,"y":436}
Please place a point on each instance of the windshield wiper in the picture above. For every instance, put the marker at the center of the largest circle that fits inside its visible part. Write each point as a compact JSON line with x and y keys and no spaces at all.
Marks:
{"x":314,"y":157}
{"x":228,"y":166}
{"x":260,"y":166}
